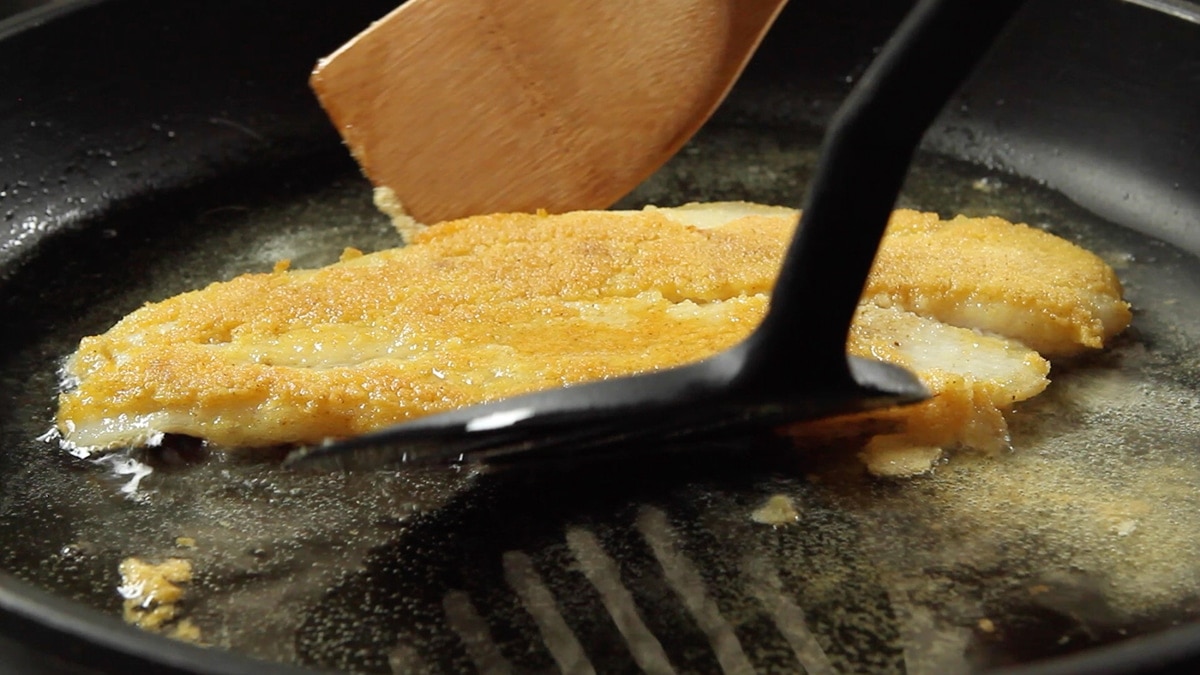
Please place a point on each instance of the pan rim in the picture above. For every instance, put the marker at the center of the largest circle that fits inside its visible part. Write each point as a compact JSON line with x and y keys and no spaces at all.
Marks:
{"x":25,"y":601}
{"x":106,"y":640}
{"x":36,"y":16}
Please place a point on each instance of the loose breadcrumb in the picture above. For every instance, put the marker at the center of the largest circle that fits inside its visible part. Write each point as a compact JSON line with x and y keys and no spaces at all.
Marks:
{"x":153,"y":594}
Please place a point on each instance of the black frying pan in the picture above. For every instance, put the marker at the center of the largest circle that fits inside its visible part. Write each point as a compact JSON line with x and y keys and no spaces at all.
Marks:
{"x":152,"y":147}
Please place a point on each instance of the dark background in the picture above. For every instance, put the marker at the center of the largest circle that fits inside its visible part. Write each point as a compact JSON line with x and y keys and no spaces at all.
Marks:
{"x":10,"y":7}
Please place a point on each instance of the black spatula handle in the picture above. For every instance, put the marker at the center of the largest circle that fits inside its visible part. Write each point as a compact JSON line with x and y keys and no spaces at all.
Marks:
{"x":863,"y":163}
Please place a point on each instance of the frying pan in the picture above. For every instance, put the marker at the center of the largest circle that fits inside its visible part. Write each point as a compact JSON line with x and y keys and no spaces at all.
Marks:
{"x":152,"y":147}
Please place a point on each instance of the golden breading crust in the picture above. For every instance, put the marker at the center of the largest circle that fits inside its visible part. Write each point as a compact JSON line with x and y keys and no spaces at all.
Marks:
{"x":472,"y":310}
{"x":1011,"y":280}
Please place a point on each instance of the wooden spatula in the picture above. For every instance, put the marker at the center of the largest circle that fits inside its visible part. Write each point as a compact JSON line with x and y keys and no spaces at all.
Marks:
{"x":473,"y":106}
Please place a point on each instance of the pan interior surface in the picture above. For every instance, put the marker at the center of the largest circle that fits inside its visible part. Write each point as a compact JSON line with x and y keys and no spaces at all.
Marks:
{"x":118,"y":190}
{"x":1084,"y":535}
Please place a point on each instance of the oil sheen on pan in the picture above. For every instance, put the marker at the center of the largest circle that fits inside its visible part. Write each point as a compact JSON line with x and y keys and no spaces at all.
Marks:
{"x":1078,"y":536}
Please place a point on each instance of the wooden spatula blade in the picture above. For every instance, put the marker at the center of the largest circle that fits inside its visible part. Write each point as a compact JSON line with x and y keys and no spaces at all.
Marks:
{"x":473,"y":106}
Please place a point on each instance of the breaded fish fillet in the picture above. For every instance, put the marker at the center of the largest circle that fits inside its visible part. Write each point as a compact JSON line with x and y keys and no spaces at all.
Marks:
{"x":491,"y":306}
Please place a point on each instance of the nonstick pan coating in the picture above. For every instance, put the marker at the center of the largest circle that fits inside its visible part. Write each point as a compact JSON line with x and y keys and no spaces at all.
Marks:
{"x":153,"y":147}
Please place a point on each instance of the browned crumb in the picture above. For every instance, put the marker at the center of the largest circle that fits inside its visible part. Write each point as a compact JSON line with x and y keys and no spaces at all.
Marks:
{"x":153,"y":594}
{"x":778,"y":510}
